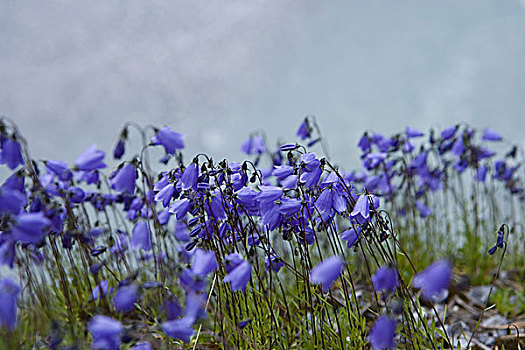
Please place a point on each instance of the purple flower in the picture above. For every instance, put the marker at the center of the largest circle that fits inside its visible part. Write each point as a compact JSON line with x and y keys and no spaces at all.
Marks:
{"x":273,"y":262}
{"x":141,"y":236}
{"x":29,"y":227}
{"x":361,"y":210}
{"x":239,"y":276}
{"x":203,"y":262}
{"x":382,"y":334}
{"x":304,"y":131}
{"x":190,"y":176}
{"x":411,"y":132}
{"x":385,"y":279}
{"x":8,"y":297}
{"x":124,"y":179}
{"x":434,"y":279}
{"x":258,"y":146}
{"x":91,"y":159}
{"x":119,"y":150}
{"x":179,"y":329}
{"x":327,"y":271}
{"x":105,"y":332}
{"x":490,"y":135}
{"x":11,"y":201}
{"x":125,"y":298}
{"x":100,"y":290}
{"x":350,"y":236}
{"x":141,"y":346}
{"x":168,"y":138}
{"x":11,"y":153}
{"x":180,"y":207}
{"x":449,"y":132}
{"x":481,"y":173}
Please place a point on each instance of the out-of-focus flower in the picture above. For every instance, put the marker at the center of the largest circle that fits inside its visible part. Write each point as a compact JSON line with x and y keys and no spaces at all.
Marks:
{"x":8,"y":297}
{"x":91,"y":159}
{"x":434,"y":279}
{"x":141,"y":236}
{"x":106,"y":332}
{"x":327,"y":271}
{"x":385,"y":279}
{"x":382,"y":333}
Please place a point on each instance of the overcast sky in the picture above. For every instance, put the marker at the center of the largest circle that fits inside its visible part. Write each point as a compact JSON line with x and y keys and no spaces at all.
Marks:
{"x":71,"y":73}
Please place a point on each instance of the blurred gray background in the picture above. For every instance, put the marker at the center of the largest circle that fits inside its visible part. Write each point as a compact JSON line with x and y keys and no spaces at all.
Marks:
{"x":71,"y":73}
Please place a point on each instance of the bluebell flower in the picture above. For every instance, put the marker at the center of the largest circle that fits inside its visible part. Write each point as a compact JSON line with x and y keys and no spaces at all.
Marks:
{"x":181,"y":329}
{"x":273,"y":262}
{"x":481,"y":173}
{"x":449,"y":132}
{"x":125,"y":298}
{"x":100,"y":290}
{"x":239,"y":276}
{"x":119,"y":149}
{"x":172,"y":307}
{"x":168,"y":138}
{"x":490,"y":135}
{"x":304,"y":131}
{"x":124,"y":179}
{"x":288,"y":147}
{"x":434,"y":279}
{"x":11,"y":153}
{"x":29,"y":227}
{"x":9,"y":291}
{"x":180,"y":207}
{"x":59,"y":168}
{"x":106,"y":332}
{"x":203,"y":262}
{"x":11,"y":201}
{"x":411,"y":132}
{"x":382,"y":333}
{"x":7,"y":252}
{"x":141,"y":236}
{"x":191,"y":281}
{"x":385,"y":279}
{"x":361,"y":211}
{"x":91,"y":159}
{"x":327,"y":271}
{"x":258,"y":146}
{"x":190,"y":176}
{"x":350,"y":236}
{"x":364,"y":143}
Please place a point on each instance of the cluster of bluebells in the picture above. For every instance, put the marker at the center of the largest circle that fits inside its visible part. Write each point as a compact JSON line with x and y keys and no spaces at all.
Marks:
{"x":388,"y":162}
{"x":197,"y":224}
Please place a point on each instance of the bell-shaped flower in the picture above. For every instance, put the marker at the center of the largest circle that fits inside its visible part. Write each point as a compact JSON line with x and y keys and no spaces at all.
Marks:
{"x":361,"y":211}
{"x":382,"y":333}
{"x":119,"y":149}
{"x":91,"y":159}
{"x":180,"y":207}
{"x":204,"y":262}
{"x":304,"y":131}
{"x":190,"y":176}
{"x":29,"y":227}
{"x":385,"y":279}
{"x":168,"y":138}
{"x":434,"y":279}
{"x":411,"y":132}
{"x":106,"y":332}
{"x":11,"y":153}
{"x":490,"y":135}
{"x":141,"y":236}
{"x":181,"y":329}
{"x":351,"y":236}
{"x":239,"y":276}
{"x":124,"y":179}
{"x":327,"y":271}
{"x":125,"y":298}
{"x":8,"y":298}
{"x":11,"y":201}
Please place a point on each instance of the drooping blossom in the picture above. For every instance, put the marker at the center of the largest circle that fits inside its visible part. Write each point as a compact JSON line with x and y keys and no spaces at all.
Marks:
{"x":239,"y":276}
{"x":124,"y":179}
{"x":106,"y":332}
{"x":141,"y":236}
{"x":11,"y":153}
{"x":434,"y":279}
{"x":9,"y":291}
{"x":30,"y":227}
{"x":327,"y":271}
{"x":204,"y":262}
{"x":171,"y":140}
{"x":91,"y":159}
{"x":382,"y":333}
{"x":385,"y":279}
{"x":490,"y":135}
{"x":125,"y":298}
{"x":361,"y":211}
